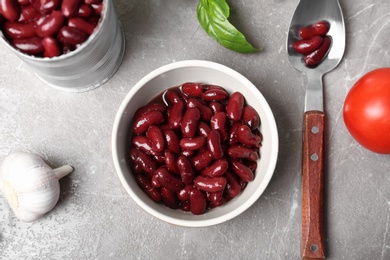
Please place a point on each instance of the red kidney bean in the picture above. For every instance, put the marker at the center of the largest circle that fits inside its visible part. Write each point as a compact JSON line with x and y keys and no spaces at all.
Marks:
{"x":210,"y":184}
{"x":155,"y":182}
{"x":156,"y":137}
{"x":259,"y":134}
{"x":175,"y":116}
{"x":70,"y":8}
{"x":93,"y":18}
{"x":202,"y":159}
{"x":209,"y":87}
{"x":39,"y":18}
{"x":81,"y":24}
{"x":23,"y":2}
{"x":30,"y":45}
{"x":233,"y":187}
{"x":318,"y":55}
{"x":187,"y":174}
{"x":306,"y":46}
{"x":171,"y":97}
{"x":172,"y":141}
{"x":97,"y":8}
{"x":252,"y":165}
{"x":148,"y":164}
{"x":235,"y":106}
{"x":169,"y":198}
{"x":233,"y":133}
{"x":84,"y":11}
{"x":136,"y":168}
{"x":245,"y":136}
{"x":217,"y":107}
{"x":192,"y":143}
{"x":320,"y":28}
{"x":238,"y":151}
{"x":71,"y":35}
{"x":10,"y":10}
{"x":217,"y":169}
{"x":215,"y":197}
{"x":51,"y":47}
{"x":214,"y":95}
{"x":243,"y":171}
{"x":185,"y":206}
{"x":218,"y":122}
{"x":145,"y":185}
{"x":184,"y":193}
{"x":16,"y":30}
{"x":205,"y":112}
{"x":89,"y":2}
{"x":159,"y":158}
{"x":51,"y":24}
{"x":243,"y":184}
{"x":142,"y":123}
{"x":192,"y":89}
{"x":47,"y":6}
{"x":27,"y":13}
{"x":168,"y":180}
{"x":203,"y":129}
{"x":187,"y":153}
{"x":142,"y":143}
{"x":214,"y":144}
{"x":189,"y":122}
{"x":151,"y":107}
{"x":216,"y":204}
{"x":170,"y":161}
{"x":197,"y":202}
{"x":250,"y":117}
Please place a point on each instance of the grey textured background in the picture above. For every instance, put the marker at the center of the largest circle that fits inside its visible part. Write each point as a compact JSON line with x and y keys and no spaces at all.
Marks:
{"x":96,"y":219}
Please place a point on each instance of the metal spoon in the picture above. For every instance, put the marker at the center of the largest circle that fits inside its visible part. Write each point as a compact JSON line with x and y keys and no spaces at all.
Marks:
{"x":309,"y":12}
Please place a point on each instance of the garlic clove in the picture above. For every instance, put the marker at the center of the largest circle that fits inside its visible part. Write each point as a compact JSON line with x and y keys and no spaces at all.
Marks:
{"x":30,"y":186}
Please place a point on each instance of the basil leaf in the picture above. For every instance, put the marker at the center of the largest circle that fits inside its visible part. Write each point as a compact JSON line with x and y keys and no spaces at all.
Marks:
{"x":213,"y":17}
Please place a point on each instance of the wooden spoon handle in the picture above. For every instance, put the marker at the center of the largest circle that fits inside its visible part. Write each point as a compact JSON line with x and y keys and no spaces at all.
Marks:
{"x":312,"y":245}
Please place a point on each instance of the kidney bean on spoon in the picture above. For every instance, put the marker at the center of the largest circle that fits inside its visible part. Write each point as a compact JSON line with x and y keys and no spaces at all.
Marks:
{"x":315,"y":43}
{"x":68,"y":22}
{"x":318,"y":55}
{"x":319,"y":28}
{"x":192,"y":151}
{"x":306,"y":46}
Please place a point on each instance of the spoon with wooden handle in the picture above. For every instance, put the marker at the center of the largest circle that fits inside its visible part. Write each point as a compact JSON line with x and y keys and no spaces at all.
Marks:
{"x":309,"y":12}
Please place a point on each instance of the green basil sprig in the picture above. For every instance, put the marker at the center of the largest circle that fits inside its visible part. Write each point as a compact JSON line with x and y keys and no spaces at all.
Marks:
{"x":213,"y":17}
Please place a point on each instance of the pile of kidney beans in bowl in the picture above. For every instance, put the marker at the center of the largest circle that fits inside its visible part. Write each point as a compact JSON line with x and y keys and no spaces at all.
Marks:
{"x":48,"y":28}
{"x":194,"y":143}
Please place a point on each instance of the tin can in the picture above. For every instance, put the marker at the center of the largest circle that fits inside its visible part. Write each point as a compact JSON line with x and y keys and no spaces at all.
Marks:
{"x":89,"y":66}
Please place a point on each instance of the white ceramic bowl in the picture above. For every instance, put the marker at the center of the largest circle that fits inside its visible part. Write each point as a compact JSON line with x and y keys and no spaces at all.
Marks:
{"x":174,"y":75}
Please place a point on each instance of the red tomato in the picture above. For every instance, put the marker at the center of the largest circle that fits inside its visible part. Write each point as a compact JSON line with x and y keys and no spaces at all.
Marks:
{"x":367,"y":111}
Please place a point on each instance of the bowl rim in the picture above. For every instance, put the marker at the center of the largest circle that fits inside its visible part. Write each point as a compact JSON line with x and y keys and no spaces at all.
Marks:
{"x":274,"y":143}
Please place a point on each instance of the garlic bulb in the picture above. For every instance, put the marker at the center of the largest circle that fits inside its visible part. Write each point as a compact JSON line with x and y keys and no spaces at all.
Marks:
{"x":30,"y":186}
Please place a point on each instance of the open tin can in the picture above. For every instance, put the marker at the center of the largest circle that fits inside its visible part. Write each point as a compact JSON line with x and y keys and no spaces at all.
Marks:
{"x":89,"y":66}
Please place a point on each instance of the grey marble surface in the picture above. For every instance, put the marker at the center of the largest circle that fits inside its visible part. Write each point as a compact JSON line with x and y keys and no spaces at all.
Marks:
{"x":96,"y":219}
